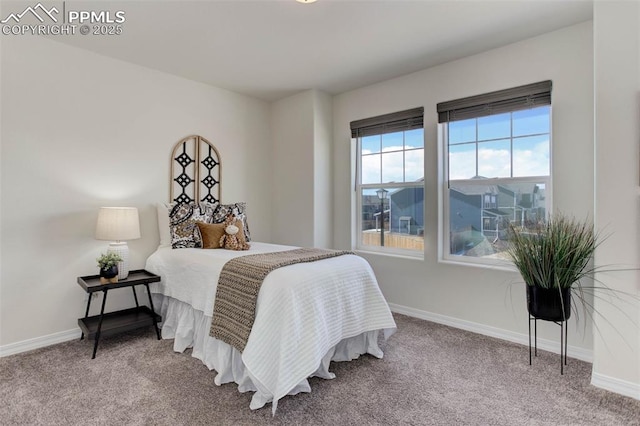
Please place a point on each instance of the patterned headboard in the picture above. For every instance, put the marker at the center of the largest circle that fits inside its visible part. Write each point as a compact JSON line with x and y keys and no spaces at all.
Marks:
{"x":195,"y":171}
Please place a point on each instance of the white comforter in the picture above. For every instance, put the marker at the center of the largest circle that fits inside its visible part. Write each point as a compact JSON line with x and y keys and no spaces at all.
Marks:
{"x":303,"y":310}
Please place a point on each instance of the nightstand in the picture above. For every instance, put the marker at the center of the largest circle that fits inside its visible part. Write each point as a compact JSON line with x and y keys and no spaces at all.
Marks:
{"x":111,"y":323}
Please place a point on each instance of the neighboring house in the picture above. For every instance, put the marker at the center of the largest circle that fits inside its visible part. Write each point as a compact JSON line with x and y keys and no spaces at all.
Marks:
{"x":488,"y":209}
{"x":404,"y":217}
{"x":371,"y":212}
{"x":400,"y":214}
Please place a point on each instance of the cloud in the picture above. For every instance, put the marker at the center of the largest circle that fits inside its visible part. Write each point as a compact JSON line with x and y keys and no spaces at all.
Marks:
{"x":390,"y":165}
{"x":531,"y":160}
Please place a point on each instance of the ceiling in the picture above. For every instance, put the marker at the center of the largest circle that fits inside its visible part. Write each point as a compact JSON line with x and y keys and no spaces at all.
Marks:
{"x":270,"y":49}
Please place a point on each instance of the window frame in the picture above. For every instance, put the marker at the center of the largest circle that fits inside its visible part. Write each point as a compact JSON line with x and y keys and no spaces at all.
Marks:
{"x":359,"y":187}
{"x":444,"y":184}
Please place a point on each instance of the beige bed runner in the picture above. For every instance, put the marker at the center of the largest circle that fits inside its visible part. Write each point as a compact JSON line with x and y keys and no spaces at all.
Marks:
{"x":240,"y":280}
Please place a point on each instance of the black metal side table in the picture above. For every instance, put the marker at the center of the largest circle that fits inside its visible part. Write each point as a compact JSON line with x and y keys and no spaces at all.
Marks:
{"x":111,"y":323}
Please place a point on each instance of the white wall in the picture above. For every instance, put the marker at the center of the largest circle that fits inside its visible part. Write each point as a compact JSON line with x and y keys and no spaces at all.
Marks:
{"x":617,"y":131}
{"x":322,"y":169}
{"x":302,"y":131}
{"x":292,"y":157}
{"x":80,"y":131}
{"x":472,"y":294}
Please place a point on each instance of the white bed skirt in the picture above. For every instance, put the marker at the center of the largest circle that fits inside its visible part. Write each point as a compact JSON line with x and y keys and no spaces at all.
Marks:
{"x":190,"y":329}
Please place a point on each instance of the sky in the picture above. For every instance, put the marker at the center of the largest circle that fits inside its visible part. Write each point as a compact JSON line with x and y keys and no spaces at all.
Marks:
{"x":503,"y":145}
{"x":514,"y":144}
{"x":393,"y":157}
{"x":530,"y":158}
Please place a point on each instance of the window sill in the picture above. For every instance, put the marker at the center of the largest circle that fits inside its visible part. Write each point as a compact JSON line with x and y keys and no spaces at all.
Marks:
{"x":505,"y":267}
{"x":417,"y":256}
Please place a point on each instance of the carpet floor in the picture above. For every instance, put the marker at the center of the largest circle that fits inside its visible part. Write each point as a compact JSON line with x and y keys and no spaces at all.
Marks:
{"x":430,"y":375}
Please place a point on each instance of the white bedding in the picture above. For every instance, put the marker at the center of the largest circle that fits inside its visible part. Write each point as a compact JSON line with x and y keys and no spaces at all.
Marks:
{"x":303,"y":312}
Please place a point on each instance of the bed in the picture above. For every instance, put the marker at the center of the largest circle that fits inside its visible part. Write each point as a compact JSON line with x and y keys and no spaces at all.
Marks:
{"x":307,"y":314}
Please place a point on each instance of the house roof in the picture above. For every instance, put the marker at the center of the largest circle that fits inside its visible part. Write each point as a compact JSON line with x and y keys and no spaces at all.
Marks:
{"x":475,"y":189}
{"x":514,"y":188}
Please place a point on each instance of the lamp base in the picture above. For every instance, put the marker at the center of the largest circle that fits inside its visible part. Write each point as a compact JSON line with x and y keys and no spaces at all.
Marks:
{"x":121,"y":248}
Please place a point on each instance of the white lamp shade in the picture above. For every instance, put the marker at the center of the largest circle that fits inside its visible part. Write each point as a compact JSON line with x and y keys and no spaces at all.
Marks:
{"x":118,"y":224}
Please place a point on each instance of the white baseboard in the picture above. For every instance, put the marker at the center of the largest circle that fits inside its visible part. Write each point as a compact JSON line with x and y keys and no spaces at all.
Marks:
{"x":523,"y":339}
{"x":616,"y":385}
{"x":39,"y":342}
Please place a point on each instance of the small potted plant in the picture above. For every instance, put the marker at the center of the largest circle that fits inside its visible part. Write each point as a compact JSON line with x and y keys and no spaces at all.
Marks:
{"x":108,"y":264}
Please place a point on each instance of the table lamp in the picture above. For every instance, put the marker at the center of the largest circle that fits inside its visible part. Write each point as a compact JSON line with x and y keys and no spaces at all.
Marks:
{"x":117,"y":224}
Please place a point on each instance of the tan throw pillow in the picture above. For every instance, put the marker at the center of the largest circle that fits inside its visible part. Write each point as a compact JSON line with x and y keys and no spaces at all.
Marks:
{"x":211,"y":233}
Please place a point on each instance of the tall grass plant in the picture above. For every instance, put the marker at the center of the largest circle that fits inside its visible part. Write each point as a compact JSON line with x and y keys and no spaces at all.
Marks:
{"x":554,"y":254}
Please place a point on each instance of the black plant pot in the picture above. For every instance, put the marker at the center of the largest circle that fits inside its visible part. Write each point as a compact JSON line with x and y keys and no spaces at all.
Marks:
{"x":109,"y":272}
{"x":550,"y":304}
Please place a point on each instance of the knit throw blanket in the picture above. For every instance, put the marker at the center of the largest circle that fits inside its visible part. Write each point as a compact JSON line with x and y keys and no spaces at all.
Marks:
{"x":240,"y":281}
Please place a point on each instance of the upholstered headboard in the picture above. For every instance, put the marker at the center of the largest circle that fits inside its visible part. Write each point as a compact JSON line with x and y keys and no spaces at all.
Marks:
{"x":195,"y":171}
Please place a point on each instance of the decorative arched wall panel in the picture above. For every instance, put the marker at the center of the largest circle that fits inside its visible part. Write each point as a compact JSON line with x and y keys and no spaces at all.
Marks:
{"x":195,"y":171}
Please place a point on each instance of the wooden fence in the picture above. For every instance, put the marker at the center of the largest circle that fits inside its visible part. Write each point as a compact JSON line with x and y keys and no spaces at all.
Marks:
{"x":393,"y":239}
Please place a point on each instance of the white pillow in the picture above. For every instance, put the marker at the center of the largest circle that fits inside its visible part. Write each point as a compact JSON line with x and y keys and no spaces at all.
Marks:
{"x":163,"y":224}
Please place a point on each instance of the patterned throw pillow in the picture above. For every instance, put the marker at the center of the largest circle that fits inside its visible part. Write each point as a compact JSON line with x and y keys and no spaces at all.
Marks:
{"x":239,"y":210}
{"x":182,"y":220}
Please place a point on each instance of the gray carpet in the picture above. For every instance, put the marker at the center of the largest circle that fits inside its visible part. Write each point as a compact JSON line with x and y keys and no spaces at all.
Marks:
{"x":431,"y":374}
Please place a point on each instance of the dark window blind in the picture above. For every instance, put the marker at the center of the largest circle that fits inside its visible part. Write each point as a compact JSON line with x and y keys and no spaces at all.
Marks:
{"x":517,"y":98}
{"x":388,"y":123}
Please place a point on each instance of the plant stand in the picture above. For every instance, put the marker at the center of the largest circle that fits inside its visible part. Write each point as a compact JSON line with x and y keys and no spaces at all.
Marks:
{"x":564,"y":329}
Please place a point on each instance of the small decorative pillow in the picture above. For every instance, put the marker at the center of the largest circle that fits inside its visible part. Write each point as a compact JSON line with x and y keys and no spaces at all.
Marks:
{"x":211,"y":234}
{"x":182,"y":220}
{"x":239,"y":210}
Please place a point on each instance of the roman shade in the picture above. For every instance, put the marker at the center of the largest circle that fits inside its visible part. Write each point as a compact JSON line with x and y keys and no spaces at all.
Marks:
{"x":517,"y":98}
{"x":388,"y":123}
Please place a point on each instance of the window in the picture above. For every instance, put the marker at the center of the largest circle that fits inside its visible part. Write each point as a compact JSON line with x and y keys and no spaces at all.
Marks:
{"x":390,"y":182}
{"x":496,"y":170}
